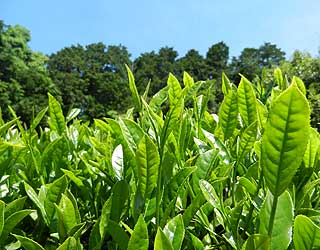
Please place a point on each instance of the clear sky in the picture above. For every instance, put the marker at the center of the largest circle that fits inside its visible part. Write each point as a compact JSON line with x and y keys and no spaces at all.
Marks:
{"x":146,"y":25}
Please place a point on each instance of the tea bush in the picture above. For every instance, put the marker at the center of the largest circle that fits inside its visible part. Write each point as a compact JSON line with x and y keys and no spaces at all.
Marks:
{"x":245,"y":178}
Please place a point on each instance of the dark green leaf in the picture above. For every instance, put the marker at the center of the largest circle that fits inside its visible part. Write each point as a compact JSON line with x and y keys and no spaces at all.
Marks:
{"x":28,"y":244}
{"x":119,"y":200}
{"x":118,"y":235}
{"x":14,"y":206}
{"x":11,"y":222}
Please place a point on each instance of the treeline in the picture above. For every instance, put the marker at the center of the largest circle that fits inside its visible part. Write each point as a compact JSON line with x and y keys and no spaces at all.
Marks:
{"x":94,"y":79}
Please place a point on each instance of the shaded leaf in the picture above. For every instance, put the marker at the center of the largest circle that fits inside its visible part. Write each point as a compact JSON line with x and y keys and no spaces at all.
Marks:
{"x":27,"y":243}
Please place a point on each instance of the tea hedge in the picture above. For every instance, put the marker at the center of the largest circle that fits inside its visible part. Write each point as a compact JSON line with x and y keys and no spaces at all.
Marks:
{"x":175,"y":178}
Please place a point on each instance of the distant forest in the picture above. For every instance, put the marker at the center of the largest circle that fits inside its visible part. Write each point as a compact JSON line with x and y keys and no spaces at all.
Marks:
{"x":94,"y":78}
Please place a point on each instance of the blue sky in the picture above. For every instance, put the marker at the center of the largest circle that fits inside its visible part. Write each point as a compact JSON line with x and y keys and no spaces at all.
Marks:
{"x":146,"y":25}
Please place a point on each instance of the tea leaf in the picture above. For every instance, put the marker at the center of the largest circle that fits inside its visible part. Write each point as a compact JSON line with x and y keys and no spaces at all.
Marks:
{"x":161,"y":241}
{"x":283,"y":221}
{"x":148,"y":161}
{"x":139,"y":239}
{"x":306,"y":234}
{"x":247,"y":102}
{"x":228,"y":114}
{"x":285,"y":139}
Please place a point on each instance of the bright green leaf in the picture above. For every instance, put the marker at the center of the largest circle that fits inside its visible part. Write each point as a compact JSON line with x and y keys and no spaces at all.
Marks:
{"x":283,"y":221}
{"x":161,"y":241}
{"x":285,"y":139}
{"x":68,"y":213}
{"x":148,"y":161}
{"x":139,"y":239}
{"x":69,"y":244}
{"x":247,"y":102}
{"x":33,"y":196}
{"x":279,"y":79}
{"x":54,"y":191}
{"x":306,"y":234}
{"x":313,"y":146}
{"x":228,"y":114}
{"x":175,"y":91}
{"x":226,"y":85}
{"x":174,"y":230}
{"x":248,"y":137}
{"x":2,"y":205}
{"x":133,"y":89}
{"x":57,"y":121}
{"x":257,"y":242}
{"x":300,"y":84}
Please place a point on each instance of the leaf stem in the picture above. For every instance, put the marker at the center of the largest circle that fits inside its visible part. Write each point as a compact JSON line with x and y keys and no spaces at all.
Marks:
{"x":272,"y":215}
{"x":249,"y":216}
{"x":159,"y":186}
{"x":233,"y":184}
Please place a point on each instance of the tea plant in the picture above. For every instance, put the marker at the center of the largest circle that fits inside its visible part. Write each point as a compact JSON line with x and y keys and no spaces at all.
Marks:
{"x":180,"y":178}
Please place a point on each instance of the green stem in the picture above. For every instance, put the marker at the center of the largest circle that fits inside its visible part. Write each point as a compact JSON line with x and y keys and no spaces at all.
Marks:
{"x":159,"y":189}
{"x":272,"y":215}
{"x":233,"y":184}
{"x":249,"y":216}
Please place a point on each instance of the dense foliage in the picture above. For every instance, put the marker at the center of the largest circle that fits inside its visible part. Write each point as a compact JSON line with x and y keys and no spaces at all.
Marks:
{"x":184,"y":178}
{"x":93,"y":77}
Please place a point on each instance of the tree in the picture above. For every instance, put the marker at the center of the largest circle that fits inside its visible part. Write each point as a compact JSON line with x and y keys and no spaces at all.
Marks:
{"x":247,"y":64}
{"x":24,"y":79}
{"x":270,"y":55}
{"x":194,"y":64}
{"x":303,"y":65}
{"x":155,"y":67}
{"x":251,"y":61}
{"x":92,"y":78}
{"x":217,"y":60}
